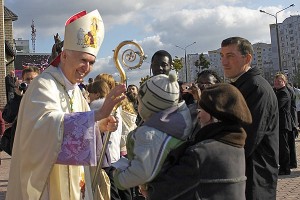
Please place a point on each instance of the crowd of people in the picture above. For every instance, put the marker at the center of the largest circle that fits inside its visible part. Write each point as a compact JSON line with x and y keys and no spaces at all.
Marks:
{"x":167,"y":139}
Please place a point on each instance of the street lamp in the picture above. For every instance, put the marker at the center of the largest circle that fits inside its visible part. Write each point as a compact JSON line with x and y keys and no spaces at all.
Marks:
{"x":277,"y":34}
{"x":185,"y":63}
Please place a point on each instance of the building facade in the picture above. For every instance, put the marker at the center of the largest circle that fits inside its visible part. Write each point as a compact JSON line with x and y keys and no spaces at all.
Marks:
{"x":22,"y":46}
{"x":7,"y":52}
{"x":215,"y":62}
{"x":187,"y":73}
{"x":262,"y":59}
{"x":289,"y":45}
{"x":191,"y":70}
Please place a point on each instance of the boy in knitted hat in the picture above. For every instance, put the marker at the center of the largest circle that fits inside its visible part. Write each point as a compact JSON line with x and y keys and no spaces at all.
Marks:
{"x":213,"y":165}
{"x":167,"y":124}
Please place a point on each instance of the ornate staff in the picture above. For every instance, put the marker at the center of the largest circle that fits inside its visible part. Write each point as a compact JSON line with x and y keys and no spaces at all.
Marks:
{"x":128,"y":56}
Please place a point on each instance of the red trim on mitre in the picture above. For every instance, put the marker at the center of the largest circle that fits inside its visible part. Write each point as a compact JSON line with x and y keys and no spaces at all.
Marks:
{"x":73,"y":18}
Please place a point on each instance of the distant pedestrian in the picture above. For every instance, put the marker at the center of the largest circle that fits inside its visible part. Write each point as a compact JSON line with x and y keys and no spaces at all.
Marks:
{"x":132,"y":96}
{"x":285,"y":122}
{"x":10,"y":86}
{"x":11,"y":109}
{"x":294,"y":133}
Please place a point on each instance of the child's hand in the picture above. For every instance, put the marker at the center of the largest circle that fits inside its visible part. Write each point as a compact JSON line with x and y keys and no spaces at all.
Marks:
{"x":143,"y":189}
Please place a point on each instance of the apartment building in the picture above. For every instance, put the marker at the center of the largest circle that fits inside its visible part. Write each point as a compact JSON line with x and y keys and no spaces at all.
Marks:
{"x":262,"y":59}
{"x":289,"y":45}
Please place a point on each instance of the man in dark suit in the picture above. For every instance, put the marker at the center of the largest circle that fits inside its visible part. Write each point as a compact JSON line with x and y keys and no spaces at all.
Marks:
{"x":285,"y":122}
{"x":261,"y":148}
{"x":294,"y":134}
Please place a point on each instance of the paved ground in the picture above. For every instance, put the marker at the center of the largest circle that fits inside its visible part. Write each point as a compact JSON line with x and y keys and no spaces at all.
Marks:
{"x":4,"y":169}
{"x":288,"y":186}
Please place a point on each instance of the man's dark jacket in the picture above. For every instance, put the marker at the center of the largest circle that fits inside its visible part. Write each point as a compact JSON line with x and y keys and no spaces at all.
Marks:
{"x":11,"y":109}
{"x":10,"y":113}
{"x":293,"y":107}
{"x":262,"y":143}
{"x":284,"y":107}
{"x":10,"y":84}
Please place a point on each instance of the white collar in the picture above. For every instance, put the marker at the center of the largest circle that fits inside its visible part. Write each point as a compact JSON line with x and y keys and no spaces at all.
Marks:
{"x":232,"y":80}
{"x":69,"y":86}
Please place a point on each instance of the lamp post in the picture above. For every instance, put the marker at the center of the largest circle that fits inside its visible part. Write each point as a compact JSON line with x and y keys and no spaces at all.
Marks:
{"x":277,"y":34}
{"x":185,"y":63}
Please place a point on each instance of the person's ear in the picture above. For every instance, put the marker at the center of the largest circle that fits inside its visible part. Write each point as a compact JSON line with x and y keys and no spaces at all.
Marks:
{"x":63,"y":56}
{"x":248,"y":58}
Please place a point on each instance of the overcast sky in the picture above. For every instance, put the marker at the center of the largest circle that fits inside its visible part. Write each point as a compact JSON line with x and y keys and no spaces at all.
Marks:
{"x":154,"y":24}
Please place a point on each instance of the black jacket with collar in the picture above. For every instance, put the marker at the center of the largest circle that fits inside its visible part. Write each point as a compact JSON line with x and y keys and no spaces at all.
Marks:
{"x":262,"y":143}
{"x":284,"y":106}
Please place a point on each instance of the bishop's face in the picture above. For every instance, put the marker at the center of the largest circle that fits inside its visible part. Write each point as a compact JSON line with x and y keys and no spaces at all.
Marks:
{"x":76,"y":65}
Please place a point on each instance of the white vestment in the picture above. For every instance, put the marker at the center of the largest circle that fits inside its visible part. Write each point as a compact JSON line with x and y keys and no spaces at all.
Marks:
{"x":34,"y":172}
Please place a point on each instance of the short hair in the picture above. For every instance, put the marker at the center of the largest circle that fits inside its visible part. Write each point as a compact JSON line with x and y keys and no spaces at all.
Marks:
{"x":108,"y":78}
{"x":30,"y":69}
{"x":162,"y":53}
{"x":283,"y":76}
{"x":244,"y":46}
{"x":99,"y":86}
{"x":209,"y":72}
{"x":132,"y":85}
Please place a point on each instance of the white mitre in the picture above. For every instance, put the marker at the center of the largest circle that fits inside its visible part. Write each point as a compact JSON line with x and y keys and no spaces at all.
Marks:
{"x":84,"y":32}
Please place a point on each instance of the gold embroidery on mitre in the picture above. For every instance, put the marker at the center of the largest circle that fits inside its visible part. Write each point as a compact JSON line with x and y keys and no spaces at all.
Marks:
{"x":89,"y":38}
